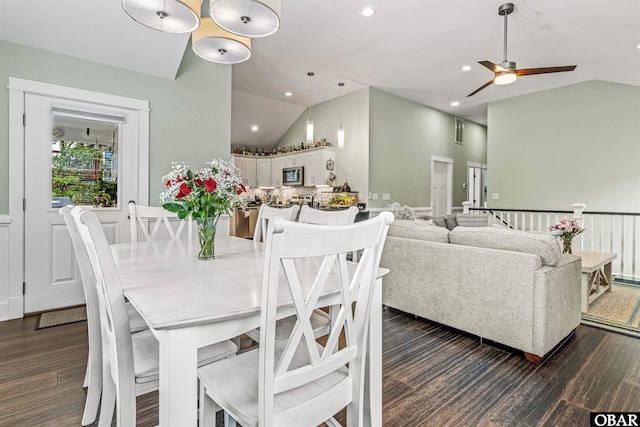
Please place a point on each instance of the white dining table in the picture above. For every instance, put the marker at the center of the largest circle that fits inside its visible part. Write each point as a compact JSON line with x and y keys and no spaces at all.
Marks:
{"x":190,"y":303}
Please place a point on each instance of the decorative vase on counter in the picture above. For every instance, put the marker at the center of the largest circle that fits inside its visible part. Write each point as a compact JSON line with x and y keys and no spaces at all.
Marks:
{"x":566,"y":245}
{"x":207,"y":236}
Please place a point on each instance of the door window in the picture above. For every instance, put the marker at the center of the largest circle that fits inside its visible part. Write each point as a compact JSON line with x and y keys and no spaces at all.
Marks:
{"x":84,"y":162}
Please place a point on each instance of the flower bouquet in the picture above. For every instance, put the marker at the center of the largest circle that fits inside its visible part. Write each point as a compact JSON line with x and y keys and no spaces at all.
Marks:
{"x":566,"y":229}
{"x":203,"y":196}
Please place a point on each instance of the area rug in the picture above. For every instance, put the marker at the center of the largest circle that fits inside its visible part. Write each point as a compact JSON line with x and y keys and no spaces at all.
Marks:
{"x":618,"y":310}
{"x":61,"y":317}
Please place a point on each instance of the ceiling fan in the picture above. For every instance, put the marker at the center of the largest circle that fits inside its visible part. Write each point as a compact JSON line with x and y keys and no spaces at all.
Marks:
{"x":506,"y":71}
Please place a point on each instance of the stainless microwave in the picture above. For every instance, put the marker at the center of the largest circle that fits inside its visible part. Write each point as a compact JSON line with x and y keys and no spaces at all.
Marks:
{"x":293,"y":176}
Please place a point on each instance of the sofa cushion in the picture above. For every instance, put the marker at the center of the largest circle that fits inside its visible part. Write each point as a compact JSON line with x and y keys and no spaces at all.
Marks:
{"x":418,"y":230}
{"x":450,"y":221}
{"x":467,"y":220}
{"x":544,"y":246}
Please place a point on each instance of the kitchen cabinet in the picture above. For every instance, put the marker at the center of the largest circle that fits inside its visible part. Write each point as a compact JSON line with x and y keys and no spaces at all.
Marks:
{"x":292,"y":160}
{"x":263,"y":172}
{"x":315,"y":166}
{"x":247,"y":166}
{"x":277,"y":164}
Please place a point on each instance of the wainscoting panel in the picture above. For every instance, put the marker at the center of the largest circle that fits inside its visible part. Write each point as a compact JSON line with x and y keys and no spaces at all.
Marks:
{"x":5,"y":221}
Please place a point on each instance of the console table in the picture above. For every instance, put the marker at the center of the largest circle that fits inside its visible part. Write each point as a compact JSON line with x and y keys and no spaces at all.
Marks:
{"x":596,"y":275}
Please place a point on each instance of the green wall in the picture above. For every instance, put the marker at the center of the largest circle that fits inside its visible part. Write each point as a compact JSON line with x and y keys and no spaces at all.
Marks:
{"x":403,"y":137}
{"x":352,"y":109}
{"x":578,"y":143}
{"x":190,"y":117}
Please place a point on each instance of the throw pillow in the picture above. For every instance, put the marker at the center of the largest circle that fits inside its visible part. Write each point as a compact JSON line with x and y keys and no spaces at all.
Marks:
{"x":450,"y":221}
{"x":439,"y":221}
{"x":401,"y":212}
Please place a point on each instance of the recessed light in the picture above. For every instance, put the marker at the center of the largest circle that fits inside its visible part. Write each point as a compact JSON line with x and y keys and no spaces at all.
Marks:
{"x":368,"y":11}
{"x":288,"y":94}
{"x":254,"y":128}
{"x":638,"y":46}
{"x":466,"y":67}
{"x":455,"y":103}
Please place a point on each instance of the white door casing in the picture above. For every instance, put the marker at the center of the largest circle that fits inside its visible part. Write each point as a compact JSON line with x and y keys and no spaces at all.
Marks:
{"x":441,"y":185}
{"x":46,"y":259}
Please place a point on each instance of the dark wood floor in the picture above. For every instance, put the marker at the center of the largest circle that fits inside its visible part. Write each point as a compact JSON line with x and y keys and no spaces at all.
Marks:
{"x":433,"y":376}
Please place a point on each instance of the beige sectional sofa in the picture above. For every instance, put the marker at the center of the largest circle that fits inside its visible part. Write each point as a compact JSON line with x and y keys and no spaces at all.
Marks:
{"x":508,"y":286}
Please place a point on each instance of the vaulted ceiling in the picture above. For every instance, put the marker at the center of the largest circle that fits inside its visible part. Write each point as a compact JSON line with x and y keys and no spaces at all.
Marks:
{"x":412,"y":48}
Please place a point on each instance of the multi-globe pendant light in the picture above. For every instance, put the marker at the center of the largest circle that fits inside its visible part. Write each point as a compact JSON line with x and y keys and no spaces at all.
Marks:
{"x":221,"y":34}
{"x":309,"y":121}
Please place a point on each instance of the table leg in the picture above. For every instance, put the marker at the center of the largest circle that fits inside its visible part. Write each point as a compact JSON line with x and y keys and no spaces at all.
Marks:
{"x":178,"y":395}
{"x":607,"y":276}
{"x":586,"y":290}
{"x":373,"y":370}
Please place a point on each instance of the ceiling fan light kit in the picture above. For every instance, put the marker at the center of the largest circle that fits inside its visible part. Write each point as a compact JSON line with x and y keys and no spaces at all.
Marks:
{"x":214,"y":44}
{"x":506,"y":72}
{"x":169,"y":16}
{"x":248,"y":18}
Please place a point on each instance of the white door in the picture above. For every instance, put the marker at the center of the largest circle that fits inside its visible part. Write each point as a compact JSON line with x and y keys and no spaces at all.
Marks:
{"x":441,"y":185}
{"x":51,"y":274}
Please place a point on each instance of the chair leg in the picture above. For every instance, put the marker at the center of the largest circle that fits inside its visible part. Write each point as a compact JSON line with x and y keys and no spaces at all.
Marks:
{"x":108,"y":401}
{"x":208,"y":409}
{"x":94,"y":390}
{"x":87,"y":373}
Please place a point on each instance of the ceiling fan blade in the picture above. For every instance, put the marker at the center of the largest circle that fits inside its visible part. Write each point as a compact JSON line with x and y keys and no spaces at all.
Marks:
{"x":489,"y":83}
{"x":545,"y":70}
{"x":490,"y":65}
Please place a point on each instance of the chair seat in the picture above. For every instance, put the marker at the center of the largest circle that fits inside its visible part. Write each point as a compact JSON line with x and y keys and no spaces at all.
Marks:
{"x":146,"y":355}
{"x":238,"y":393}
{"x":136,"y":321}
{"x":320,"y":322}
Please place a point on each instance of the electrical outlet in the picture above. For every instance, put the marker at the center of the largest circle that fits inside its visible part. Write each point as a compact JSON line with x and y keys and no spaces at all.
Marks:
{"x":386,"y":196}
{"x":495,"y":196}
{"x":374,"y":196}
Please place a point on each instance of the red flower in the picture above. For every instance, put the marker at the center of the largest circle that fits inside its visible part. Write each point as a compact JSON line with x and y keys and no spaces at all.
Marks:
{"x":241,"y":189}
{"x":184,"y":190}
{"x":210,"y":185}
{"x":198,"y":182}
{"x":168,"y":183}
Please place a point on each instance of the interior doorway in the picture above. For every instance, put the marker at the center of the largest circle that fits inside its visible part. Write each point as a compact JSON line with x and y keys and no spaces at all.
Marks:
{"x":441,"y":185}
{"x":476,"y":184}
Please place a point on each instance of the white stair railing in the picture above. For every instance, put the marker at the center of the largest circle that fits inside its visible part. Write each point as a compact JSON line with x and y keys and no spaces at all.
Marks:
{"x":611,"y":232}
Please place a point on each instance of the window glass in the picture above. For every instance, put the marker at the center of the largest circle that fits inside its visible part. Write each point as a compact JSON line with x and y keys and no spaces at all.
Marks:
{"x":84,"y":162}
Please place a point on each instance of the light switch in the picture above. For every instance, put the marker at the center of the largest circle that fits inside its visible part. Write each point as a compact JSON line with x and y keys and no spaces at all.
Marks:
{"x":386,"y":196}
{"x":495,"y":196}
{"x":374,"y":196}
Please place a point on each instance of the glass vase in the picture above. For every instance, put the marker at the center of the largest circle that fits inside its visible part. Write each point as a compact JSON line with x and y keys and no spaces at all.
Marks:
{"x":566,"y":245}
{"x":207,"y":236}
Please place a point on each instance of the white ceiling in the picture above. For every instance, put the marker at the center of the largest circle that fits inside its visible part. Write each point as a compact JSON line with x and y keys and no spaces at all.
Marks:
{"x":412,"y":48}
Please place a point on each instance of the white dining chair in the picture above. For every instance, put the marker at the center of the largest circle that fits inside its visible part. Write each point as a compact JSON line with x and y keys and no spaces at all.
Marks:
{"x":268,"y":212}
{"x":309,"y":215}
{"x":130,"y":362}
{"x":320,"y":319}
{"x":297,"y":382}
{"x":149,"y":219}
{"x":93,"y":374}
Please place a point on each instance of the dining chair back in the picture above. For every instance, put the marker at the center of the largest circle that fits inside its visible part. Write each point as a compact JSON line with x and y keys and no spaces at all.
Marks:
{"x":130,"y":362}
{"x":320,"y":319}
{"x":93,"y":374}
{"x":150,"y":220}
{"x":268,"y":212}
{"x":309,"y":215}
{"x":298,"y":382}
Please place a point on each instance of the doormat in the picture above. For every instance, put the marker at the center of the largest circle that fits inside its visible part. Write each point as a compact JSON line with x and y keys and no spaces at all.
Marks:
{"x":61,"y":317}
{"x":618,"y":310}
